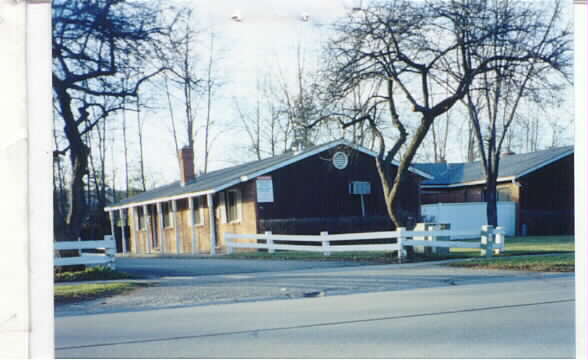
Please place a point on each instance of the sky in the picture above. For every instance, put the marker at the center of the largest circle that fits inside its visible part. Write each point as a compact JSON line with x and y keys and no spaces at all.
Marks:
{"x":264,"y":41}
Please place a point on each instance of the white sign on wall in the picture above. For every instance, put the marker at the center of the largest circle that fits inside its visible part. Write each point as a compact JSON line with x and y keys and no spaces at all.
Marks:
{"x":265,"y":189}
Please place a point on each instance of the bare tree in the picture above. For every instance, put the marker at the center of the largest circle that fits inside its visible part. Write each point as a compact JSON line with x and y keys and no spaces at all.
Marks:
{"x":97,"y":194}
{"x":172,"y":119}
{"x":440,"y":132}
{"x":253,"y":127}
{"x":408,"y":51}
{"x":141,"y":155}
{"x":210,"y":87}
{"x":494,"y":99}
{"x":95,"y":45}
{"x":186,"y":79}
{"x":125,"y":146}
{"x":300,"y":107}
{"x":265,"y":124}
{"x":286,"y":107}
{"x":471,"y":143}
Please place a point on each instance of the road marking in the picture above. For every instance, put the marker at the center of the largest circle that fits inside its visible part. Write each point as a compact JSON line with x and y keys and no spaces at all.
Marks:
{"x":238,"y":277}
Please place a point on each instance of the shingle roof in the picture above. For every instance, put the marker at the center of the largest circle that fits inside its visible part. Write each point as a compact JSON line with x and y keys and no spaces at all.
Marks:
{"x":221,"y":179}
{"x":204,"y":183}
{"x":510,"y":166}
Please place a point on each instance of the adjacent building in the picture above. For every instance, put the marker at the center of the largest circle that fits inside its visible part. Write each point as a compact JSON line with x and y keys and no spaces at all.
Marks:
{"x":541,"y":185}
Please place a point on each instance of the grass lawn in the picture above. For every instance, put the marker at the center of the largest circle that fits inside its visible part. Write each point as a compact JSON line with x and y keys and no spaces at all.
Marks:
{"x":83,"y":292}
{"x":93,"y":273}
{"x":372,"y":256}
{"x":528,"y":245}
{"x":543,"y":263}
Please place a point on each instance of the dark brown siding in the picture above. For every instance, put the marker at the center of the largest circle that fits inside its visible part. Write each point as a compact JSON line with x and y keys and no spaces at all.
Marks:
{"x":453,"y":195}
{"x":547,"y":199}
{"x":312,"y":196}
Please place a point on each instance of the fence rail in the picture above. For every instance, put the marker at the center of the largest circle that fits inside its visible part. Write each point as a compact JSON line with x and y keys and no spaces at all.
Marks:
{"x":491,"y":241}
{"x":107,"y":258}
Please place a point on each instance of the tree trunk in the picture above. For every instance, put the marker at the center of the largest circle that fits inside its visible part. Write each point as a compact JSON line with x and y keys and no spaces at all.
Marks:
{"x":491,"y":198}
{"x":79,"y":166}
{"x":75,"y":190}
{"x":209,"y":89}
{"x":173,"y":122}
{"x":125,"y":147}
{"x":141,"y":159}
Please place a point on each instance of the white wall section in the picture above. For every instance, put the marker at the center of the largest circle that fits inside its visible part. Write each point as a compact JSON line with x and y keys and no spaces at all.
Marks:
{"x":471,"y":215}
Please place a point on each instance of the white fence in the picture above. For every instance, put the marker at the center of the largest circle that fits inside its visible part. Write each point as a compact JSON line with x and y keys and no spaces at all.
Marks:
{"x":108,"y":246}
{"x":491,"y":241}
{"x":471,"y":216}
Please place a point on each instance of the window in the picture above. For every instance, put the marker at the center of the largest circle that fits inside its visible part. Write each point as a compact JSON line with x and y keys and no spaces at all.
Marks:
{"x":197,"y":216}
{"x":166,"y":215}
{"x":233,"y":205}
{"x":504,"y":194}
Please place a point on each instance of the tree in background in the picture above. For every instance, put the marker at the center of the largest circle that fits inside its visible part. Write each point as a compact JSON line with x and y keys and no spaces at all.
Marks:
{"x":211,"y":85}
{"x":525,"y":31}
{"x":420,"y":59}
{"x":262,"y":124}
{"x":97,"y":44}
{"x":286,"y":104}
{"x":184,"y":77}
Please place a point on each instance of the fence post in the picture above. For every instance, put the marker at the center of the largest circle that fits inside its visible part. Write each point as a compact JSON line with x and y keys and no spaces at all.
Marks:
{"x":325,"y":244}
{"x":269,"y":242}
{"x":486,"y":240}
{"x":400,"y":241}
{"x":112,"y":216}
{"x":434,"y":239}
{"x":123,"y":219}
{"x":110,"y":251}
{"x":498,"y":240}
{"x":228,"y":242}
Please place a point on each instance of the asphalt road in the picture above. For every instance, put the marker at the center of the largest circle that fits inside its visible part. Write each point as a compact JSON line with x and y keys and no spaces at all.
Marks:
{"x":526,"y":316}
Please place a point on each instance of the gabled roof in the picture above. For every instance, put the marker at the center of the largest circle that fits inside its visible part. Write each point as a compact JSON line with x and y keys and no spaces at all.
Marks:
{"x":511,"y":167}
{"x":219,"y":180}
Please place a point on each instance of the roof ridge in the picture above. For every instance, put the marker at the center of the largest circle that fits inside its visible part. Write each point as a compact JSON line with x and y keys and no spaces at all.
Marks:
{"x":514,"y":165}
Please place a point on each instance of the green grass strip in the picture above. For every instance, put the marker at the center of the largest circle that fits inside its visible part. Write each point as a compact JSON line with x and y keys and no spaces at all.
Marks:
{"x":527,"y":245}
{"x":372,"y":256}
{"x":92,"y":274}
{"x":84,"y":292}
{"x":540,"y":263}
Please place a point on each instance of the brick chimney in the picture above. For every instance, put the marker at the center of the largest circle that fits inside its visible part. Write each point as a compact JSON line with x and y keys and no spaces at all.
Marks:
{"x":186,"y":165}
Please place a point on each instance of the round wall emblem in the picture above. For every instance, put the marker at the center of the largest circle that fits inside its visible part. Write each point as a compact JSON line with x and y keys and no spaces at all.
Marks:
{"x":340,"y":160}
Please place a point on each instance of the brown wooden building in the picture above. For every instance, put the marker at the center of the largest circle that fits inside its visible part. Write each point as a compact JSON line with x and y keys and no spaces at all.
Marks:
{"x":541,"y":184}
{"x":332,"y":187}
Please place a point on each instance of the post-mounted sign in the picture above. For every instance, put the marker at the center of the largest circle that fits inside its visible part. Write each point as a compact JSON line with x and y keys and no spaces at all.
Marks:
{"x":265,"y":189}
